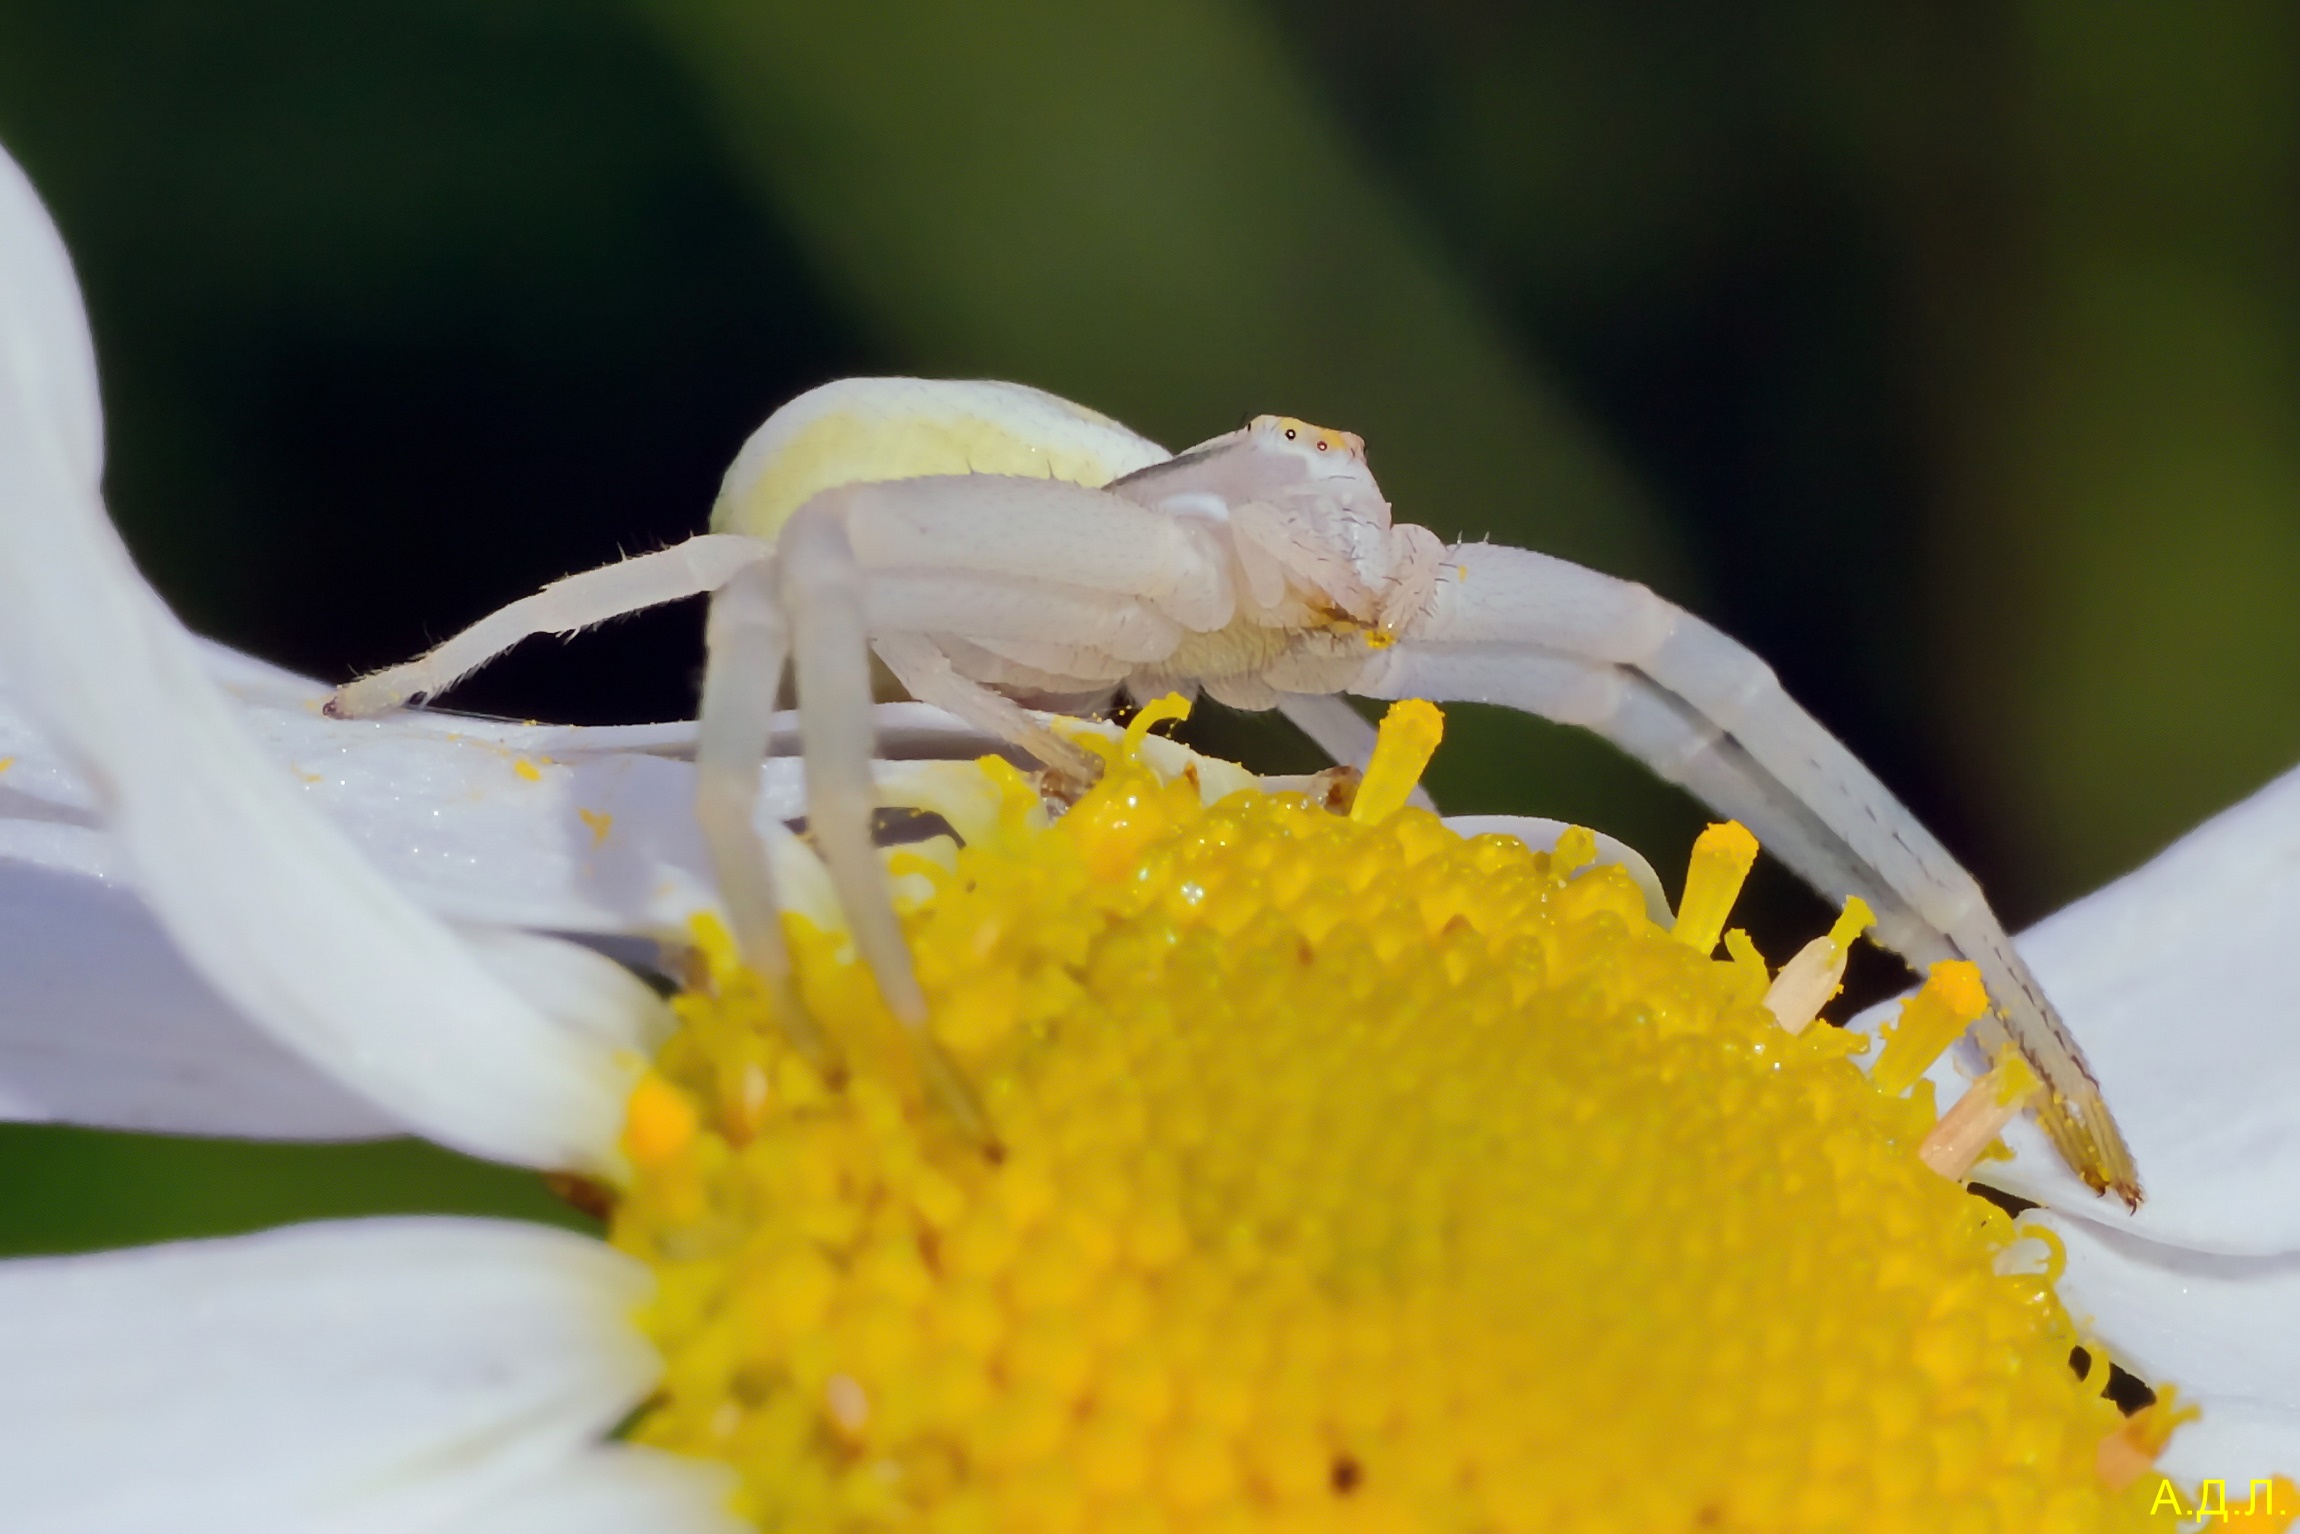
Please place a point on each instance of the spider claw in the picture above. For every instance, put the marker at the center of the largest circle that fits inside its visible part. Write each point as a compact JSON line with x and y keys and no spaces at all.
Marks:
{"x":948,"y":1089}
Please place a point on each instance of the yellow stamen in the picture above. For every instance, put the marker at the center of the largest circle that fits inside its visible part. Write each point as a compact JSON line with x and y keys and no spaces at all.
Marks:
{"x":1748,"y":961}
{"x":1812,"y":979}
{"x":1851,"y":922}
{"x":1965,"y":1131}
{"x":1949,"y":1002}
{"x":1172,"y":708}
{"x":2127,"y":1453}
{"x":1409,"y":737}
{"x":661,"y":1123}
{"x":1576,"y":849}
{"x":1722,"y":858}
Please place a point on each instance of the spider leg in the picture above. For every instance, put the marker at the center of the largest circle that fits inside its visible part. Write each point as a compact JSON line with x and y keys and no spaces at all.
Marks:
{"x":701,"y":564}
{"x":822,"y":590}
{"x":925,"y":671}
{"x":1535,"y":633}
{"x":1340,"y":731}
{"x":1044,"y":532}
{"x":747,"y":646}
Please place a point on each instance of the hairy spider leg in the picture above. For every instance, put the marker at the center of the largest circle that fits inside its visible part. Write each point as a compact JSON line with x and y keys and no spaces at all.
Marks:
{"x":926,"y":673}
{"x":803,"y":609}
{"x":1551,"y":638}
{"x":821,"y":589}
{"x":564,"y":607}
{"x":747,"y":644}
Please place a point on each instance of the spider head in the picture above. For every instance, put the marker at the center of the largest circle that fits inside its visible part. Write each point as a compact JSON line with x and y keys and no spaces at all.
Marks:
{"x":1328,"y":483}
{"x":1334,"y":539}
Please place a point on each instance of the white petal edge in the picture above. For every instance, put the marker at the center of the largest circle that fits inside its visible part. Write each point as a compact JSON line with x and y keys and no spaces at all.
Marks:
{"x":2177,"y":981}
{"x":2219,"y":1328}
{"x":368,"y":1377}
{"x":102,"y":1023}
{"x":266,"y":900}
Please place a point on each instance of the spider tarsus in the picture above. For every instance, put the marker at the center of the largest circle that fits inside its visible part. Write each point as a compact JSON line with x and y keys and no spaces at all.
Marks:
{"x":947,"y":1087}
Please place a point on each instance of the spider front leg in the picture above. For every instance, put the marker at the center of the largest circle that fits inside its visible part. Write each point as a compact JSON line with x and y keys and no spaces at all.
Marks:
{"x":1539,"y":634}
{"x":818,"y":587}
{"x":821,"y":589}
{"x":747,"y":644}
{"x":703,"y":563}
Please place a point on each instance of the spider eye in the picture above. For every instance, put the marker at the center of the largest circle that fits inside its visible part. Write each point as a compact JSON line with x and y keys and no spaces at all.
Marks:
{"x":1289,"y":434}
{"x":1321,"y":444}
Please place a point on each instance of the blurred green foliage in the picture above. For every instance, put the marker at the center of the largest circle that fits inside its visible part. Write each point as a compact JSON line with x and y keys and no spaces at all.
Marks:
{"x":1944,"y":352}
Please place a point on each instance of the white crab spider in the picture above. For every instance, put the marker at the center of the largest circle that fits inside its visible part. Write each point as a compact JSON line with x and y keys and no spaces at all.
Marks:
{"x":992,"y":543}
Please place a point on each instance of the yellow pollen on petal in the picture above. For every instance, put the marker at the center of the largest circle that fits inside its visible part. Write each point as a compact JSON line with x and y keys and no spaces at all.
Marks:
{"x":1353,"y":1175}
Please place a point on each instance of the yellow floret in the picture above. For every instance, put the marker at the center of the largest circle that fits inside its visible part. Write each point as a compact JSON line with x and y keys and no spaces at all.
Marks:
{"x":1351,"y":1175}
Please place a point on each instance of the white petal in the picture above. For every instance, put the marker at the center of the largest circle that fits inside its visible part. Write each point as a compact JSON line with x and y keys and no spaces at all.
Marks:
{"x":253,"y":680}
{"x":615,"y":1490}
{"x":554,"y":827}
{"x":587,"y":994}
{"x":60,"y":847}
{"x":2220,"y":1328}
{"x":45,"y":349}
{"x":576,"y":841}
{"x":2236,"y":1442}
{"x":2209,"y":1323}
{"x":384,"y":1375}
{"x":563,"y":828}
{"x":905,"y":732}
{"x":2178,"y":981}
{"x":102,"y":1023}
{"x":1541,"y":835}
{"x":266,"y":901}
{"x":35,"y":778}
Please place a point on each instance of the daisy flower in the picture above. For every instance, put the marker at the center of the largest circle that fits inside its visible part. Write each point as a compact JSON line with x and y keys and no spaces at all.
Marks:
{"x":1353,"y":1170}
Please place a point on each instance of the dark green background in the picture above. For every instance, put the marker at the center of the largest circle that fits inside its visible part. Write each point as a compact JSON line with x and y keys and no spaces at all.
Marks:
{"x":1943,"y":351}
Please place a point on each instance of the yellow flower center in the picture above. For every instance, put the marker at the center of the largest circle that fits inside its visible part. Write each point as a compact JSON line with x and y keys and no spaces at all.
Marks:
{"x":1351,"y":1175}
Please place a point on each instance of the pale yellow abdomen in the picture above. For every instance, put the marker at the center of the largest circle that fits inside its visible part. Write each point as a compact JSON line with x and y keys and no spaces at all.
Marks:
{"x":860,"y":430}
